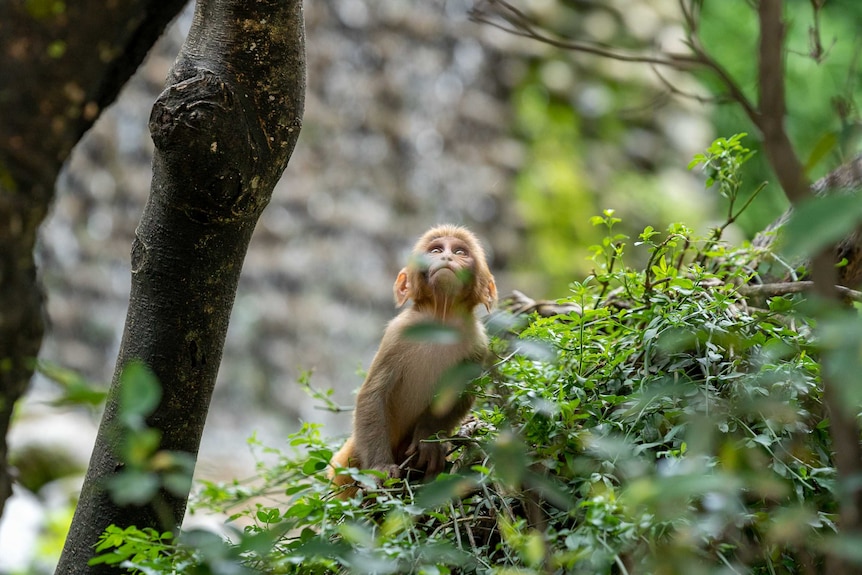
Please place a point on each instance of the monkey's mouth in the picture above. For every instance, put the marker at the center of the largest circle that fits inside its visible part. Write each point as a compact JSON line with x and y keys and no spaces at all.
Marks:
{"x":444,"y":268}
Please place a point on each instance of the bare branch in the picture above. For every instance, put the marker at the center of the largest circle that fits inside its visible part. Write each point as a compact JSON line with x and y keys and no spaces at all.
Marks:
{"x":515,"y":22}
{"x":784,"y":288}
{"x":519,"y":24}
{"x":772,"y":106}
{"x":768,"y":115}
{"x":690,"y":95}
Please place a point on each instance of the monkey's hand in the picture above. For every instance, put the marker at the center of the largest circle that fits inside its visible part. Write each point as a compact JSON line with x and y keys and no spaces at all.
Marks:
{"x":430,"y":456}
{"x":387,"y":471}
{"x":391,"y":471}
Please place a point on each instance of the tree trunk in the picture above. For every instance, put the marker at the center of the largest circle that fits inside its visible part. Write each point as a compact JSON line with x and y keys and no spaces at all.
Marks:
{"x":224,"y":129}
{"x":62,"y":64}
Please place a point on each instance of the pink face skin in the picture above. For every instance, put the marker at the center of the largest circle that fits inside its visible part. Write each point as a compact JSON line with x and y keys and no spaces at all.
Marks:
{"x":448,"y":259}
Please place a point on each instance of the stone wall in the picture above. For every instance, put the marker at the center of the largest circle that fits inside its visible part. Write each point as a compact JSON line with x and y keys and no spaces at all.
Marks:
{"x":406,"y":125}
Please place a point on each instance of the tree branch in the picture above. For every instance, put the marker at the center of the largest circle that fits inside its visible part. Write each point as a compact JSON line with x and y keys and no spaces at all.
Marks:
{"x":224,"y":129}
{"x":519,"y":24}
{"x":47,"y":101}
{"x":784,"y":288}
{"x":772,"y":107}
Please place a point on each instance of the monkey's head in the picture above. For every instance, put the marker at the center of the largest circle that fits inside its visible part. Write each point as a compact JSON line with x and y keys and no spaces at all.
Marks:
{"x":447,"y":270}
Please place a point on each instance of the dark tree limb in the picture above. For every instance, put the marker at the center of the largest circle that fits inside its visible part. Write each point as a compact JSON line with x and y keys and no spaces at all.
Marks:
{"x":224,"y":129}
{"x":60,"y":69}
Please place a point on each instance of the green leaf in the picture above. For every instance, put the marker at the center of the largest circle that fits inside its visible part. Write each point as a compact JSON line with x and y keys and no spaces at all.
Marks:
{"x":509,"y":456}
{"x":177,"y":483}
{"x":433,"y":332}
{"x":111,"y":558}
{"x":268,"y":515}
{"x":76,"y":389}
{"x":825,"y":144}
{"x":140,"y":393}
{"x":139,"y":446}
{"x":536,"y":350}
{"x":818,"y":223}
{"x":848,"y":546}
{"x":452,"y":384}
{"x":133,"y":487}
{"x":443,"y":489}
{"x":311,"y":466}
{"x":298,"y":488}
{"x":551,"y":489}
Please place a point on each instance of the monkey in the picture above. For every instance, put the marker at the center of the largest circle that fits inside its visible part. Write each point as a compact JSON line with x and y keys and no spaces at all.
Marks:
{"x":446,"y":278}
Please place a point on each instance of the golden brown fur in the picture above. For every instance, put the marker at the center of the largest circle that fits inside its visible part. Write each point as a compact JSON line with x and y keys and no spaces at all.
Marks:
{"x":446,"y":278}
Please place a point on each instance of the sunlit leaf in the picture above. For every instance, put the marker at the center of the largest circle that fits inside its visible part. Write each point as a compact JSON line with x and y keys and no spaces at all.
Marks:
{"x":824,"y":145}
{"x":76,"y":389}
{"x":139,"y":446}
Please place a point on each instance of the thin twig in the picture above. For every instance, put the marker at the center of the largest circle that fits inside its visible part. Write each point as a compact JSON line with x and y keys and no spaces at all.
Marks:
{"x":519,"y":24}
{"x":784,"y":288}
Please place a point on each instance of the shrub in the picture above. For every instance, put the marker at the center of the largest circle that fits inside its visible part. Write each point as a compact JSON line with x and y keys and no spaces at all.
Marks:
{"x":662,"y":423}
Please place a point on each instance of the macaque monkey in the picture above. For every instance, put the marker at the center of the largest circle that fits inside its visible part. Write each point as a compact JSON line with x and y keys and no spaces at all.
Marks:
{"x":446,"y":278}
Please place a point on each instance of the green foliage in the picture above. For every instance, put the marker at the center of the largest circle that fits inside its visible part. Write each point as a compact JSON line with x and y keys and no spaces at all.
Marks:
{"x":552,"y":185}
{"x":680,"y":421}
{"x":722,"y":163}
{"x":147,"y":468}
{"x":132,"y":545}
{"x":75,"y":390}
{"x":669,"y":426}
{"x":819,"y":223}
{"x":822,"y":76}
{"x":44,"y":9}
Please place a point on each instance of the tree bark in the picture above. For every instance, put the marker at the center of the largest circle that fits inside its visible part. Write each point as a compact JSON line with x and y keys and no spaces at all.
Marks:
{"x":224,"y":129}
{"x":55,"y":81}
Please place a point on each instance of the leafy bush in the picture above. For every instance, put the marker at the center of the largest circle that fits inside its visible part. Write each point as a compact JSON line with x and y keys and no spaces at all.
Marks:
{"x":661,"y":424}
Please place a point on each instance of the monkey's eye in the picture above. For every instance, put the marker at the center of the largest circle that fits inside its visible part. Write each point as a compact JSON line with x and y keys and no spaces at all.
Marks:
{"x":435,"y":250}
{"x":460,"y":252}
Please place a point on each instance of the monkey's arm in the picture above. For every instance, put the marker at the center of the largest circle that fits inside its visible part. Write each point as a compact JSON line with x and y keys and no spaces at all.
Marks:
{"x":370,"y":422}
{"x":431,"y":456}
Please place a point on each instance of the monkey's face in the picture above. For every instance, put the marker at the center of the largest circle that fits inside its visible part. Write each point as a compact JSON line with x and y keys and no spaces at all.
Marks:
{"x":446,"y":265}
{"x":447,"y":269}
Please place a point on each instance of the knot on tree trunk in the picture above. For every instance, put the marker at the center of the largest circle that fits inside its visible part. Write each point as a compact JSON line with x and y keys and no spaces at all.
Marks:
{"x":200,"y":129}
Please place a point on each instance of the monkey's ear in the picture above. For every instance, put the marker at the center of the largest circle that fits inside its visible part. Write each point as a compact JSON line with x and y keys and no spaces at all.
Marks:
{"x":401,"y":288}
{"x":491,"y":295}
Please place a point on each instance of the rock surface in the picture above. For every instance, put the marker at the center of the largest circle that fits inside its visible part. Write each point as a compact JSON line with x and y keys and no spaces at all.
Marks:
{"x":405,"y":126}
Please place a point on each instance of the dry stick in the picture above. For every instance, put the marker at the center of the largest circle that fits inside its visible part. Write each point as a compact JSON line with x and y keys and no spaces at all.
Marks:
{"x":784,"y":288}
{"x":470,"y":536}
